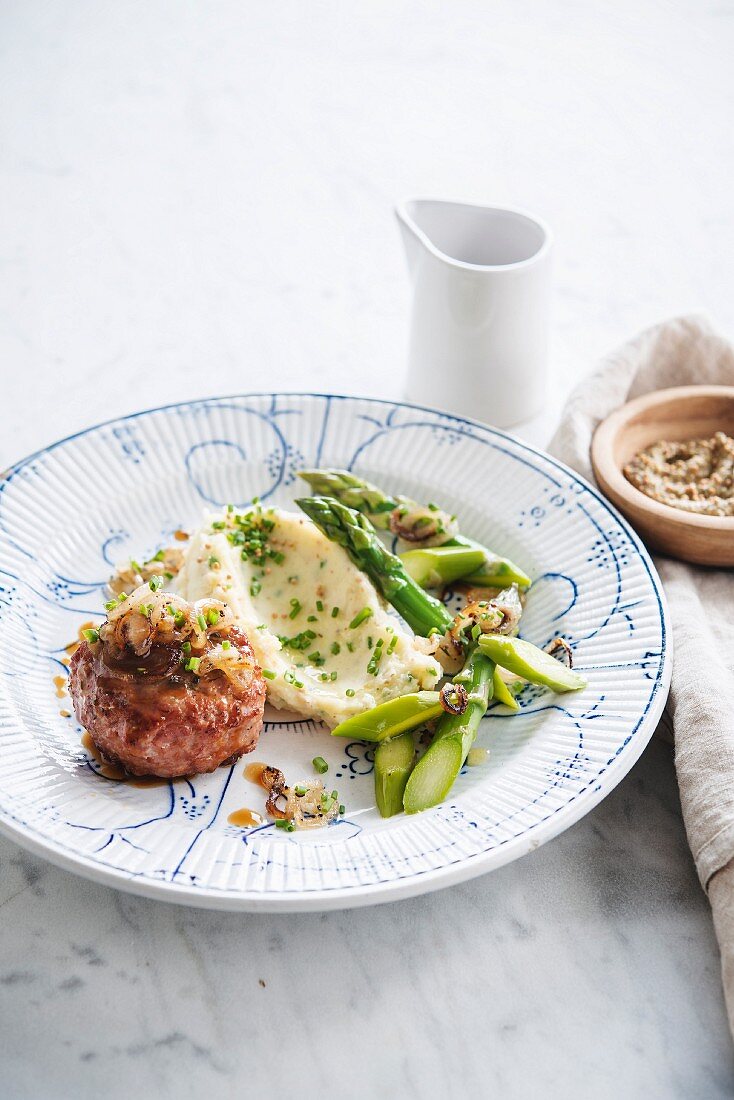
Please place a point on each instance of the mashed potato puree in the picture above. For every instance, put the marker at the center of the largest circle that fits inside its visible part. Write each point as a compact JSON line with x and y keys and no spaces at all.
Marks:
{"x":328,"y":646}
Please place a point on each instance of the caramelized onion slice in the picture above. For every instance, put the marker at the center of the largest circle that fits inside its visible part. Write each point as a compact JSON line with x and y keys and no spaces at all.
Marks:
{"x":561,"y":650}
{"x":453,"y":698}
{"x":427,"y":526}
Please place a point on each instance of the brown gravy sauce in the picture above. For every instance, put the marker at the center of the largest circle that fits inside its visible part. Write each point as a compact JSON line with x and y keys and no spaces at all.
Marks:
{"x":72,"y":647}
{"x":245,"y":818}
{"x":106,"y":769}
{"x":113,"y":771}
{"x":109,"y":771}
{"x":254,"y":772}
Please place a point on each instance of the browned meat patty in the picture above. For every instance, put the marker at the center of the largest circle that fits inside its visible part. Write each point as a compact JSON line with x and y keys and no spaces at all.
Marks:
{"x":148,"y":712}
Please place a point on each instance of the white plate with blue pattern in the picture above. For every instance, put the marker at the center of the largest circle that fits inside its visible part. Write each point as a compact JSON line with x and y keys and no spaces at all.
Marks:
{"x":121,"y":490}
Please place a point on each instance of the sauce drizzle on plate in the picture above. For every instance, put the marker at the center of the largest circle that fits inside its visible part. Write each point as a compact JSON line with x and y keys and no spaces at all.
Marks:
{"x":112,"y":771}
{"x":245,"y":818}
{"x":254,"y":772}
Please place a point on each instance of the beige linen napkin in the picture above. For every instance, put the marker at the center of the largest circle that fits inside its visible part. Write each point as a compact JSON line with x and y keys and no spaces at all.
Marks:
{"x":681,"y":352}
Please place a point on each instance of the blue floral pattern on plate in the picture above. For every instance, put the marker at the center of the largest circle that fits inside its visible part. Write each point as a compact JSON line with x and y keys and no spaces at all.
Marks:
{"x":122,"y":489}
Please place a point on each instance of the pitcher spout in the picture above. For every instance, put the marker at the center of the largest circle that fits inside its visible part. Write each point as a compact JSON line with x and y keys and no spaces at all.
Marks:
{"x":411,"y":235}
{"x":462,"y":235}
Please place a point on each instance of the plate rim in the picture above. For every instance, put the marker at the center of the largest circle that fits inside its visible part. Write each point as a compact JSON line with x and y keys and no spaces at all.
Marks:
{"x":418,"y":883}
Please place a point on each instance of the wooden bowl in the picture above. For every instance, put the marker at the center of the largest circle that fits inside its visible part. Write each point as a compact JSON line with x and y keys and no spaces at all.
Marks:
{"x":686,"y":412}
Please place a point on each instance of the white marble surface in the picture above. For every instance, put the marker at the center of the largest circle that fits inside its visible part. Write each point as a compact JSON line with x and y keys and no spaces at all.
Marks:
{"x":196,"y":199}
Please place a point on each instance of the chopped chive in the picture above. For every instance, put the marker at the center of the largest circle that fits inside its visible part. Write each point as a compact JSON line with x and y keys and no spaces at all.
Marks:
{"x":268,"y":674}
{"x":333,"y":675}
{"x":192,"y":665}
{"x":319,"y":605}
{"x":374,"y":662}
{"x":110,"y":605}
{"x":212,"y":616}
{"x":284,"y":823}
{"x":320,"y":765}
{"x":295,"y":608}
{"x":350,"y":692}
{"x":219,"y":524}
{"x":393,"y":643}
{"x":360,"y":617}
{"x":323,"y":676}
{"x":350,"y":647}
{"x":312,"y":619}
{"x":158,"y":556}
{"x":298,"y":641}
{"x":300,"y":791}
{"x":334,"y":612}
{"x":342,"y":808}
{"x":91,"y":635}
{"x":201,"y":621}
{"x":135,"y":566}
{"x":186,"y":648}
{"x":335,"y":648}
{"x":226,"y":644}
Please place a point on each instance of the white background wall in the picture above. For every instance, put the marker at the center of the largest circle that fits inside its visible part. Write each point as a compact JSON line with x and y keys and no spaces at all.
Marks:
{"x":196,"y":198}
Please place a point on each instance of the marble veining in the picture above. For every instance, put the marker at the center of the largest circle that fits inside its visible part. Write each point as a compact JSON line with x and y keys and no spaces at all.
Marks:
{"x":592,"y":959}
{"x":197,"y":201}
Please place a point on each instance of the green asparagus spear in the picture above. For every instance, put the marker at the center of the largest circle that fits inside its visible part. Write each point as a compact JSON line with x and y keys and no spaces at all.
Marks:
{"x":354,"y":492}
{"x":433,"y":566}
{"x":394,"y":761}
{"x":502,"y":693}
{"x":496,"y":572}
{"x":434,"y":774}
{"x":533,"y":664}
{"x":356,"y":534}
{"x":389,"y":719}
{"x":371,"y":501}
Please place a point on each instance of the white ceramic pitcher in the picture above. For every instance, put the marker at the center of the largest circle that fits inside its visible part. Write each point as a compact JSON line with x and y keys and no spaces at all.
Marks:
{"x":479,"y":326}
